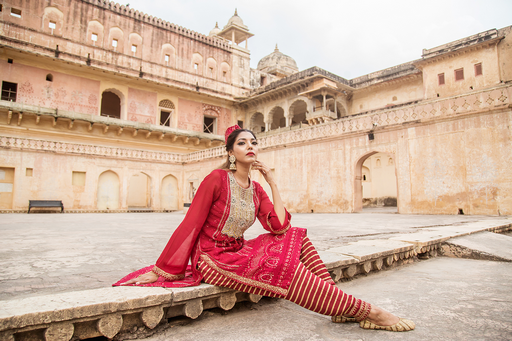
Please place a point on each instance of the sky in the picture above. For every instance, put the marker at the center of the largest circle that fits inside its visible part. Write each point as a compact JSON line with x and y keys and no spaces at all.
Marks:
{"x":348,"y":38}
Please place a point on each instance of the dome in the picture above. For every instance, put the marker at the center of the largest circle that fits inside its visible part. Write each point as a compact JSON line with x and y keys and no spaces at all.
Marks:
{"x":236,"y":20}
{"x":278,"y":63}
{"x":215,"y":30}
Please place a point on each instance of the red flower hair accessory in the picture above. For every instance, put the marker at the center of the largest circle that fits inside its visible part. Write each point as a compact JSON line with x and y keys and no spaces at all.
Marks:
{"x":230,"y":130}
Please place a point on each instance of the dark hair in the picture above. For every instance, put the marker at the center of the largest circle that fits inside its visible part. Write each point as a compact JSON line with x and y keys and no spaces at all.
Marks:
{"x":231,"y":141}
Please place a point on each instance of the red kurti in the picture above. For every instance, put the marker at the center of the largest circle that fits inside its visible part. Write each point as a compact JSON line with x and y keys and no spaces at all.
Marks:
{"x":212,"y":235}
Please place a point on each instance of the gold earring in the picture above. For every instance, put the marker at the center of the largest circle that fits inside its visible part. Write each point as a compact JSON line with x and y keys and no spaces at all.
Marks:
{"x":232,"y":160}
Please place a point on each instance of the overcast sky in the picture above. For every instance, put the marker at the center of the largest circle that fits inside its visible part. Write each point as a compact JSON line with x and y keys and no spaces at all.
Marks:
{"x":347,"y":38}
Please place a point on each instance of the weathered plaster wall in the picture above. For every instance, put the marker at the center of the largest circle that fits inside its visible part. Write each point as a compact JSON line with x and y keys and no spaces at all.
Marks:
{"x":490,"y":69}
{"x":382,"y":95}
{"x":191,"y":116}
{"x":65,"y":92}
{"x":505,"y":54}
{"x":52,"y":178}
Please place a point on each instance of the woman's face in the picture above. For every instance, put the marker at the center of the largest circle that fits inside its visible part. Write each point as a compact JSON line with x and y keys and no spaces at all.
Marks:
{"x":245,"y":148}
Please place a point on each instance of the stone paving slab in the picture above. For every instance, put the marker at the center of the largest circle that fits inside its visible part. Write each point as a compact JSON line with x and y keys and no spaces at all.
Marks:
{"x":334,"y":260}
{"x":363,"y":250}
{"x":436,"y":235}
{"x":493,"y":244}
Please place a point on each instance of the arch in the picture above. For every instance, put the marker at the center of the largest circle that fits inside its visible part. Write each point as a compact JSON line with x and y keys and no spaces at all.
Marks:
{"x":108,"y":191}
{"x":197,"y":64}
{"x":277,"y":119}
{"x":386,"y":192}
{"x":135,"y":40}
{"x":225,"y":70}
{"x":118,"y":35}
{"x":339,"y":108}
{"x":257,"y":123}
{"x":211,"y":68}
{"x":110,"y":104}
{"x":53,"y":20}
{"x":169,"y":193}
{"x":139,"y":191}
{"x":168,"y":57}
{"x":166,"y":109}
{"x":94,"y":33}
{"x":298,"y":111}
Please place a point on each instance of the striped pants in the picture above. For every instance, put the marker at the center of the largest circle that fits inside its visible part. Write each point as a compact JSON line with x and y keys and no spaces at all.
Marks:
{"x":312,"y":287}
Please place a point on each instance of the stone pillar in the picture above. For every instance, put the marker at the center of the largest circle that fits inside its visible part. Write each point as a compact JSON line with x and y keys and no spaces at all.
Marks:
{"x":323,"y":103}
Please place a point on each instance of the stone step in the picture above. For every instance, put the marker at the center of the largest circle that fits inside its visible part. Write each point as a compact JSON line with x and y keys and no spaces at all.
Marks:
{"x":484,"y":245}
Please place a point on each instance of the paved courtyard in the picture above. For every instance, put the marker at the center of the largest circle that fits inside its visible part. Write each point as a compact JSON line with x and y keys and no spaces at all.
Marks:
{"x":53,"y":253}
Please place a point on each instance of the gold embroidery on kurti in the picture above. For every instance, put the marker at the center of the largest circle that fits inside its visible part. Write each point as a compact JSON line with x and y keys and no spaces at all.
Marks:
{"x":242,"y":209}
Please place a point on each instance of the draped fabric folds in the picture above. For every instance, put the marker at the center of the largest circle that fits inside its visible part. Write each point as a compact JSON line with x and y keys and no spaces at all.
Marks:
{"x":212,"y":234}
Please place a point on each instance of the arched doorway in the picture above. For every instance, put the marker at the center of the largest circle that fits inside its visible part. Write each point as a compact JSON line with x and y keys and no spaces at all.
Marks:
{"x":139,"y":191}
{"x":110,"y":105}
{"x":298,"y":111}
{"x":108,"y":191}
{"x":375,"y":183}
{"x":169,"y":194}
{"x":277,"y":118}
{"x":257,"y":124}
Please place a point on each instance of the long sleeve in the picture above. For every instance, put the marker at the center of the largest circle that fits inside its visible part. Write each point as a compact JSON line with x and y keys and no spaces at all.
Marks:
{"x":267,"y":215}
{"x":173,"y":261}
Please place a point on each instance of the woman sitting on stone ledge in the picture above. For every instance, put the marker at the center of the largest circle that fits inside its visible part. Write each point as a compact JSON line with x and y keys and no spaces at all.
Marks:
{"x":282,"y":263}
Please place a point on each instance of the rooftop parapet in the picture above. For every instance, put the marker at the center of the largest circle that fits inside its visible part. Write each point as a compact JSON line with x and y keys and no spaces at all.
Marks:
{"x":149,"y":19}
{"x":459,"y":44}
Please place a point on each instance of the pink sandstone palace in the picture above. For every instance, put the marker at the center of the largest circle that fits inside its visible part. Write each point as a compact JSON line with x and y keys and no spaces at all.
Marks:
{"x":111,"y":110}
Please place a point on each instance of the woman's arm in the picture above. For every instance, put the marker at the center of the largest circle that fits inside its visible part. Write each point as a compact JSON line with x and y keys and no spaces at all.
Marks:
{"x":269,"y":178}
{"x":273,"y":216}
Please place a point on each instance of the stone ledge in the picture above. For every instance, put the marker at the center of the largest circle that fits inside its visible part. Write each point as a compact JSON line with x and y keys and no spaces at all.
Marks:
{"x":110,"y":311}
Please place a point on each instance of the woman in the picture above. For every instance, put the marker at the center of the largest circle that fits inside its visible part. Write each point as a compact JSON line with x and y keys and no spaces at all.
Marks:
{"x":282,"y":263}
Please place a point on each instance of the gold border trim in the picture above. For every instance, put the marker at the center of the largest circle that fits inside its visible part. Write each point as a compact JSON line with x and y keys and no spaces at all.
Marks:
{"x":169,"y":276}
{"x":244,"y":280}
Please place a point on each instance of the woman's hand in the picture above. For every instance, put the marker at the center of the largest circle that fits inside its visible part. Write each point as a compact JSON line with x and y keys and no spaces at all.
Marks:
{"x":147,"y":278}
{"x":264,"y":170}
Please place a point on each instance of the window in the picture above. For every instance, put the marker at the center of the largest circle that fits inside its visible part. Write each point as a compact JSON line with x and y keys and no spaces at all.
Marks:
{"x":94,"y":37}
{"x":165,"y":118}
{"x":166,"y":59}
{"x":49,"y":77}
{"x":0,"y":7}
{"x":110,"y":105}
{"x":134,"y":48}
{"x":9,"y":91}
{"x":241,"y":124}
{"x":209,"y":125}
{"x":224,"y":74}
{"x":52,"y":25}
{"x":114,"y":44}
{"x":440,"y":79}
{"x":16,"y":12}
{"x":459,"y":74}
{"x":196,"y":66}
{"x":478,"y":69}
{"x":78,"y":179}
{"x":29,"y":171}
{"x":211,"y":71}
{"x":9,"y":60}
{"x":394,"y":98}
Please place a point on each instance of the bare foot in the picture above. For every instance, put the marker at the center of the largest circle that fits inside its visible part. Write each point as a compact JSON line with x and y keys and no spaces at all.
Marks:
{"x":381,"y":317}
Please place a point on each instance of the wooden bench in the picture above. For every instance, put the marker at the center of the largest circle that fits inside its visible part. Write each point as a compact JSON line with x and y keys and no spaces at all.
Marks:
{"x":45,"y":203}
